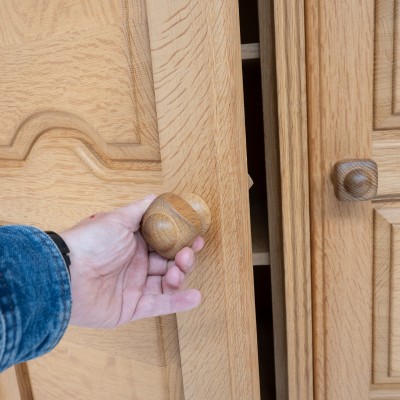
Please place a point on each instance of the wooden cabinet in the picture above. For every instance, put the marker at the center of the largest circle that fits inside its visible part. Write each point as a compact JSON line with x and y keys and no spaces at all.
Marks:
{"x":105,"y":101}
{"x":353,"y":80}
{"x":334,"y":264}
{"x":102,"y":103}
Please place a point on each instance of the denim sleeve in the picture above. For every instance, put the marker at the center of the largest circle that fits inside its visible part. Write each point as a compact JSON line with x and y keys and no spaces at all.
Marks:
{"x":35,"y":295}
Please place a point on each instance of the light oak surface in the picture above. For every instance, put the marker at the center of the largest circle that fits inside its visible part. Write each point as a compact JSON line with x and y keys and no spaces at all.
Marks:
{"x":385,"y":152}
{"x":340,"y":121}
{"x":210,"y":106}
{"x":386,"y":294}
{"x":285,"y":126}
{"x":9,"y":388}
{"x":383,"y":221}
{"x":386,"y":69}
{"x":273,"y":184}
{"x":354,"y":245}
{"x":102,"y":103}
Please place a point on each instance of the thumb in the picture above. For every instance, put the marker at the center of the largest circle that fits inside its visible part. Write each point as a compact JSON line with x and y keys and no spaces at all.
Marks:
{"x":133,"y":213}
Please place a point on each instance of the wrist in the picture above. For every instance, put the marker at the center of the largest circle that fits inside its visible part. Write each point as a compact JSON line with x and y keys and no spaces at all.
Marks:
{"x":69,"y":241}
{"x":62,"y":247}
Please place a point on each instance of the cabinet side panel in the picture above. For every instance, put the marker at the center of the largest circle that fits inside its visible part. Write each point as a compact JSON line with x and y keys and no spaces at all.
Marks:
{"x":294,"y":194}
{"x":274,"y":200}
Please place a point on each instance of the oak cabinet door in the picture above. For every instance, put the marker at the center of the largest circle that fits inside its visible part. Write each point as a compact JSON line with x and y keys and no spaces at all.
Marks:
{"x":103,"y":102}
{"x":353,"y":88}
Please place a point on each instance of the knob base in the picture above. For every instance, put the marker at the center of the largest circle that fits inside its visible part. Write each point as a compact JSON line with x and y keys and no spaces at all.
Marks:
{"x":355,"y":180}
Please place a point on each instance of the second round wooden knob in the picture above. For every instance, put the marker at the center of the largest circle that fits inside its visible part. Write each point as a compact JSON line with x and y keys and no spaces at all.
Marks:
{"x":355,"y":180}
{"x":173,"y":222}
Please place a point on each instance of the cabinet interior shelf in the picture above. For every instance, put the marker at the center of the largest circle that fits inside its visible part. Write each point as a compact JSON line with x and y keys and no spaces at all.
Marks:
{"x":259,"y":230}
{"x":250,"y":51}
{"x":261,"y":258}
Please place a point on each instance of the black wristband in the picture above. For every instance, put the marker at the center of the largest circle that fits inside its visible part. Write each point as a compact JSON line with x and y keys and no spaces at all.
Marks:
{"x":62,"y":246}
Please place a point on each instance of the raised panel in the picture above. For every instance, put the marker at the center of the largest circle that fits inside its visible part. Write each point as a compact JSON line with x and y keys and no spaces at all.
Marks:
{"x":83,"y":67}
{"x":386,"y":153}
{"x":386,"y":96}
{"x":59,"y":163}
{"x":78,"y":135}
{"x":353,"y":69}
{"x":386,"y":316}
{"x":394,"y":345}
{"x":387,"y":65}
{"x":118,"y":363}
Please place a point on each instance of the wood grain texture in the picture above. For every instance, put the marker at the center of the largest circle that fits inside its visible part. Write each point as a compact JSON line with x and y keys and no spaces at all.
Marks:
{"x":103,"y":374}
{"x":173,"y":222}
{"x":382,"y":285}
{"x":75,"y":65}
{"x":386,"y":294}
{"x":342,"y":237}
{"x":9,"y":388}
{"x":385,"y":152}
{"x":15,"y":384}
{"x":394,"y":343}
{"x":385,"y":392}
{"x":385,"y":138}
{"x":24,"y":382}
{"x":190,"y":69}
{"x":287,"y":188}
{"x":202,"y":53}
{"x":273,"y":183}
{"x":339,"y":81}
{"x":129,"y":362}
{"x":355,"y":180}
{"x":387,"y":65}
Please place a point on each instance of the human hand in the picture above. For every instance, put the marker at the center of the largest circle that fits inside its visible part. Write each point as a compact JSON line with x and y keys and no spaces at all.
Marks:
{"x":115,"y":278}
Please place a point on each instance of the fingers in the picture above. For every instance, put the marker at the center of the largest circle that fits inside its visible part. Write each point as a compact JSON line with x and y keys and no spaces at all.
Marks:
{"x":185,"y":260}
{"x":153,"y":305}
{"x":132,"y":213}
{"x":198,"y":244}
{"x":157,"y":264}
{"x":160,"y":266}
{"x":173,"y":280}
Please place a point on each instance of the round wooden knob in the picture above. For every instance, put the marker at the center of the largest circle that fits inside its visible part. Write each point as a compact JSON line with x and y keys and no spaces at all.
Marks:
{"x":173,"y":222}
{"x":356,"y":180}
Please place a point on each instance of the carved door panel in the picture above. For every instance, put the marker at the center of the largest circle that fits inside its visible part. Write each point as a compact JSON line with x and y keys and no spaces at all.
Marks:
{"x":354,"y":85}
{"x":103,"y":102}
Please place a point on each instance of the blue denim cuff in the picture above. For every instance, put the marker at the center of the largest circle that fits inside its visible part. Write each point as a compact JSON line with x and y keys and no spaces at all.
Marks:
{"x":35,"y":294}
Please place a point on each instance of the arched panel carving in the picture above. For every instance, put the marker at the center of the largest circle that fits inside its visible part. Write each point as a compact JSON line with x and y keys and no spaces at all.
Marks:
{"x":78,"y":75}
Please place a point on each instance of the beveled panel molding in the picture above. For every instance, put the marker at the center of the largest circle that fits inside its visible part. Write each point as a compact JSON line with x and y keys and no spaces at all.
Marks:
{"x":386,"y":311}
{"x":387,"y":65}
